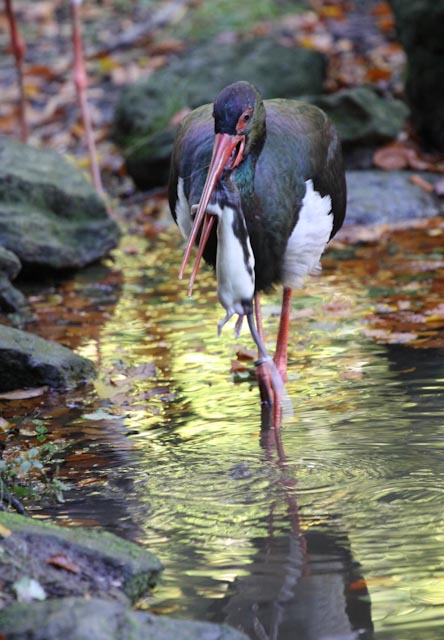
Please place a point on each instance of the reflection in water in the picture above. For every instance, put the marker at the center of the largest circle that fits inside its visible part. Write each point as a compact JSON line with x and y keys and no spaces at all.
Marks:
{"x":304,"y":584}
{"x":292,"y":544}
{"x":299,"y":588}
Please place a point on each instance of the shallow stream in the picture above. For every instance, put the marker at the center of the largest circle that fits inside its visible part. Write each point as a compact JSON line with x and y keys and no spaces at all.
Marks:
{"x":334,"y":531}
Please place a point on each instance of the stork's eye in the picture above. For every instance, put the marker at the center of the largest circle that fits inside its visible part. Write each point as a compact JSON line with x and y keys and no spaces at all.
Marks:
{"x":243,"y":120}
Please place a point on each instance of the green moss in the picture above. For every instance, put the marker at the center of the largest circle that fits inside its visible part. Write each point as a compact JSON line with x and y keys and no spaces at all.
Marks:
{"x":208,"y":19}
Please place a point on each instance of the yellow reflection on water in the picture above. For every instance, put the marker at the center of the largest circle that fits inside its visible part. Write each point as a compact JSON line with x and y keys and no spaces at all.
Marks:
{"x":357,"y":452}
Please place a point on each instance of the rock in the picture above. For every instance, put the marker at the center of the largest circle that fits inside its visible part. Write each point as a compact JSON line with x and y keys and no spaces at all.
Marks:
{"x":11,"y":299}
{"x":27,"y":360}
{"x":142,"y":122}
{"x":50,"y":216}
{"x":107,"y":566}
{"x":388,"y":197}
{"x":83,"y":582}
{"x":364,"y":120}
{"x":95,"y":619}
{"x":419,"y":26}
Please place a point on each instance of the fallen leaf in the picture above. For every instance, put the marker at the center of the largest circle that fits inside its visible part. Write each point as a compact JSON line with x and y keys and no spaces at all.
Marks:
{"x":377,"y":73}
{"x":60,"y":561}
{"x":358,"y":234}
{"x":23,"y":394}
{"x":142,"y":371}
{"x":352,"y":374}
{"x":28,"y":589}
{"x":306,"y":312}
{"x":390,"y":337}
{"x":100,"y":414}
{"x":4,"y":532}
{"x":422,"y":183}
{"x":246,"y":355}
{"x":391,"y":158}
{"x":358,"y":585}
{"x":237,"y":366}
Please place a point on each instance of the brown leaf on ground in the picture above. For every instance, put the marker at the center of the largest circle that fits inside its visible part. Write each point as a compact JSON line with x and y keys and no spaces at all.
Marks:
{"x":4,"y":532}
{"x":357,"y":234}
{"x":23,"y":394}
{"x":406,"y":155}
{"x":60,"y":561}
{"x":246,"y":355}
{"x":425,"y":185}
{"x":391,"y":158}
{"x":237,"y":366}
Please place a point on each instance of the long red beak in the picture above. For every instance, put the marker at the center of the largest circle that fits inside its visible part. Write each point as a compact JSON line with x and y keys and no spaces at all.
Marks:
{"x":227,"y":154}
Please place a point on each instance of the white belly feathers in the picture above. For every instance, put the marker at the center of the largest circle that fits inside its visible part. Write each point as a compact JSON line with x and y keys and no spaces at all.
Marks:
{"x":308,"y":239}
{"x":235,"y":259}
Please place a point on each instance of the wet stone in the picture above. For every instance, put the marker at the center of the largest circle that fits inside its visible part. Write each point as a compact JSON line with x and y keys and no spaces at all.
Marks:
{"x":375,"y":196}
{"x":78,"y":619}
{"x":98,"y":563}
{"x":11,"y":299}
{"x":27,"y":360}
{"x":50,"y":215}
{"x":82,"y":584}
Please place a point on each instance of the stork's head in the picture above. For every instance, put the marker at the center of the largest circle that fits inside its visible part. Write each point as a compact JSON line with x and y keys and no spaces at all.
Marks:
{"x":239,"y":124}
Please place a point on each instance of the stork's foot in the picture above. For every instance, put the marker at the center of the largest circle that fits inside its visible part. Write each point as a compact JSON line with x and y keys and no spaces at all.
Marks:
{"x":264,"y":383}
{"x":271,"y":391}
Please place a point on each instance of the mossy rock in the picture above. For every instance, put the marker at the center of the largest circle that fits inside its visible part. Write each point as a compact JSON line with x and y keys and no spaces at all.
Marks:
{"x":50,"y":215}
{"x":95,"y":619}
{"x":142,"y":121}
{"x":361,"y":116}
{"x":107,"y":566}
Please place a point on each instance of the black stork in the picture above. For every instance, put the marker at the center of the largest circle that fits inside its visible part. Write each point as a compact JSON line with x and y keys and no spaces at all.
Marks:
{"x":259,"y":186}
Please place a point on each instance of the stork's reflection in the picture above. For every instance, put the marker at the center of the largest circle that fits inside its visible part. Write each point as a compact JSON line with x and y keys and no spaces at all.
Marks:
{"x":302,"y":584}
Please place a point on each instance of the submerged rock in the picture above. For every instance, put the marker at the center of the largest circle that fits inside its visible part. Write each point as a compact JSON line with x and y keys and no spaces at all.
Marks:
{"x":27,"y":360}
{"x":143,"y":118}
{"x":50,"y":215}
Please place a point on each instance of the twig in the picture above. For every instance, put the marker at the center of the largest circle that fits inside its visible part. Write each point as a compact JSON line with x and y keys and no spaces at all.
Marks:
{"x":18,"y":49}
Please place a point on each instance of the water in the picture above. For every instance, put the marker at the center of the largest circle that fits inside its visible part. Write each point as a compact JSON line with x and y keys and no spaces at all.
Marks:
{"x":334,"y":531}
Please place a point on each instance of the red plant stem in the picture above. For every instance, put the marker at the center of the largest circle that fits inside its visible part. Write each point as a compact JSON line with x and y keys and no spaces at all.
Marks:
{"x":81,"y":84}
{"x":18,"y":49}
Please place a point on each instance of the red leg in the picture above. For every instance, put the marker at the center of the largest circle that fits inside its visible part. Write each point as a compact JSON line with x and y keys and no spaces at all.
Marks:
{"x":280,"y":357}
{"x":81,"y":83}
{"x":18,"y":49}
{"x":262,"y":375}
